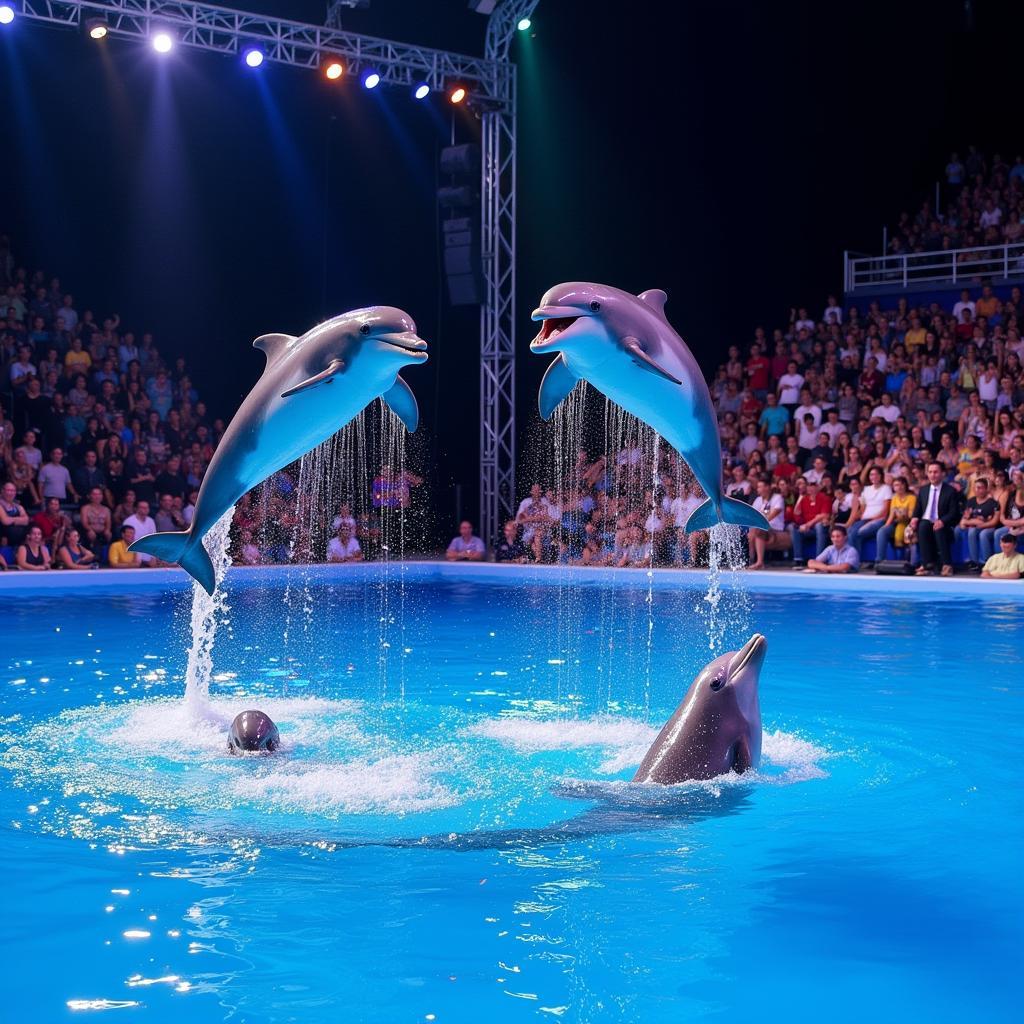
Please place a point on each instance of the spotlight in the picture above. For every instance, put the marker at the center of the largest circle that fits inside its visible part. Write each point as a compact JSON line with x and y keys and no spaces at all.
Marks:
{"x":6,"y":14}
{"x":333,"y":68}
{"x":422,"y":91}
{"x":254,"y":58}
{"x":96,"y":27}
{"x":371,"y":80}
{"x":524,"y":24}
{"x":163,"y":42}
{"x":457,"y":95}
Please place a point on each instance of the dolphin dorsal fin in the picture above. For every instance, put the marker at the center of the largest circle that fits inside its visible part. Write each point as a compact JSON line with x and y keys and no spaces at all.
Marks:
{"x":273,"y":345}
{"x":655,"y":298}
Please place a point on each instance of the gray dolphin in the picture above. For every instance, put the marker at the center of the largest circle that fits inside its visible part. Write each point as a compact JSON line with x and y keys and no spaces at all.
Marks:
{"x":311,"y":387}
{"x":253,"y":731}
{"x":626,"y":348}
{"x":717,"y":727}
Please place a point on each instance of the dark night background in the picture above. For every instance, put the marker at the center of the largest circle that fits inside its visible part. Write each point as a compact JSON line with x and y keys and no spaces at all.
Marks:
{"x":727,"y":151}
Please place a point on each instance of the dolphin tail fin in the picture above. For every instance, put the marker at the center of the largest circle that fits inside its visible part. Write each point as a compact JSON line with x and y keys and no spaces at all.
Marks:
{"x":182,"y":549}
{"x":733,"y":511}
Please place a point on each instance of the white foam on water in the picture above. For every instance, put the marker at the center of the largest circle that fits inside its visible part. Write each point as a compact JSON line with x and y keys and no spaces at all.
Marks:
{"x":532,"y":735}
{"x":398,"y":784}
{"x":626,"y":740}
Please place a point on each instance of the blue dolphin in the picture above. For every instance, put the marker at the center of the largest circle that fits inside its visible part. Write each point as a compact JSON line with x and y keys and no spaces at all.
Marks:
{"x":624,"y":345}
{"x":311,"y":387}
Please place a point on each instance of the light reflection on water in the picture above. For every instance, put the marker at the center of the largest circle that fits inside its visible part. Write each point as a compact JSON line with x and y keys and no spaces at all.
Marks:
{"x":277,"y":896}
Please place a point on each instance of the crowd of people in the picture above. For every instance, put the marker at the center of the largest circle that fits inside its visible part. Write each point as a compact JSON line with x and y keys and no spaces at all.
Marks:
{"x":984,"y":206}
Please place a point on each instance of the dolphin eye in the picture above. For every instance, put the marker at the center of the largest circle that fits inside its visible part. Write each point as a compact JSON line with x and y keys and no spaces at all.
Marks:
{"x":717,"y":683}
{"x":595,"y":306}
{"x":364,"y":329}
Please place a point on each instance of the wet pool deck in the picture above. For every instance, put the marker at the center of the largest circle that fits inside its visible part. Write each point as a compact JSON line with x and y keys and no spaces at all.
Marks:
{"x":770,"y":580}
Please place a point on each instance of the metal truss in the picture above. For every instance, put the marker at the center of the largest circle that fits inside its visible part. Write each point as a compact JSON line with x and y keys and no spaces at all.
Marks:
{"x":491,"y":81}
{"x":221,"y":30}
{"x":498,"y":249}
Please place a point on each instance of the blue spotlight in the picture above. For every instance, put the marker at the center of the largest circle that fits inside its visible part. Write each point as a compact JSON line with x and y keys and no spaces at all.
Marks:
{"x":371,"y":80}
{"x":422,"y":91}
{"x":163,"y":42}
{"x":254,"y":58}
{"x":6,"y":14}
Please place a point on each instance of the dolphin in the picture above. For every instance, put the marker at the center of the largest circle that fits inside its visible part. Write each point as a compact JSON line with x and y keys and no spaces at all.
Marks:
{"x":626,"y":348}
{"x":311,"y":387}
{"x":253,"y":731}
{"x":717,"y":727}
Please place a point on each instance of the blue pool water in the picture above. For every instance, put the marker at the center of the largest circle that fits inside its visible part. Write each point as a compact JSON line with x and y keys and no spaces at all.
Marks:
{"x":447,"y":834}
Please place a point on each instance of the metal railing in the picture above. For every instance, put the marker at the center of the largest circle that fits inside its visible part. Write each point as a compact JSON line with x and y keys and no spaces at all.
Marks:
{"x":941,"y":267}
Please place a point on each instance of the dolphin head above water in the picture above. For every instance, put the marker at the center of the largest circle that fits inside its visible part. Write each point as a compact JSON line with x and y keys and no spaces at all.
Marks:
{"x":590,"y":322}
{"x":253,"y":732}
{"x":376,"y":341}
{"x":717,"y":727}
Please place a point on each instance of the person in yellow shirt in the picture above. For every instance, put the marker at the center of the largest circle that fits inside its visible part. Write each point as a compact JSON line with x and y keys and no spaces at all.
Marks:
{"x":916,"y":335}
{"x":988,"y":305}
{"x":119,"y":556}
{"x":77,"y":360}
{"x":1008,"y":564}
{"x":901,"y":508}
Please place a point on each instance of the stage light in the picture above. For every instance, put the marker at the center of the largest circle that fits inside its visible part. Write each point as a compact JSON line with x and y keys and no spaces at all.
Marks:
{"x":371,"y":80}
{"x":254,"y":58}
{"x":163,"y":42}
{"x":524,"y":24}
{"x":333,"y":69}
{"x":422,"y":91}
{"x":457,"y":95}
{"x":6,"y":14}
{"x":96,"y":27}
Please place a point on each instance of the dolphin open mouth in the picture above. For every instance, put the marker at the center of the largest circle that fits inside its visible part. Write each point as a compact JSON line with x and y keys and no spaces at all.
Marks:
{"x":552,"y":326}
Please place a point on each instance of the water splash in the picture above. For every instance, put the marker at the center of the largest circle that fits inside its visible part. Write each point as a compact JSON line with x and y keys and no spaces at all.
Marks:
{"x":207,"y":612}
{"x":725,"y":552}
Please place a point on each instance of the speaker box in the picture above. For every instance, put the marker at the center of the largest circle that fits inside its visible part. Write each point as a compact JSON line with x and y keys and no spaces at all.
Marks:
{"x":893,"y":567}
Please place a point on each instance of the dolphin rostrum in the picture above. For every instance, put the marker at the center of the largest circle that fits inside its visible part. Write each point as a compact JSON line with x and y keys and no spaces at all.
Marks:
{"x":626,"y":348}
{"x":717,"y":727}
{"x":311,"y":387}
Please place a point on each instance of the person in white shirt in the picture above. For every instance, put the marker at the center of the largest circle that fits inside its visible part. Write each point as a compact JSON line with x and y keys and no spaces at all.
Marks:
{"x":804,"y":322}
{"x":991,"y":216}
{"x":833,"y":427}
{"x":772,"y":506}
{"x":833,"y":312}
{"x":789,"y":387}
{"x":344,"y":547}
{"x":143,"y":525}
{"x":681,"y":508}
{"x":876,"y":498}
{"x":888,"y":410}
{"x":807,"y":406}
{"x":964,"y":303}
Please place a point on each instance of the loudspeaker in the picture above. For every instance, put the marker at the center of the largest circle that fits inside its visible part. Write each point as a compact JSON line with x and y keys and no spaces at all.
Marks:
{"x":462,"y":265}
{"x":893,"y":567}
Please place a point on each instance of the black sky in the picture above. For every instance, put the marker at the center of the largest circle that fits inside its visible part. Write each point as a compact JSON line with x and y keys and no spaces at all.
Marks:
{"x":724,"y":150}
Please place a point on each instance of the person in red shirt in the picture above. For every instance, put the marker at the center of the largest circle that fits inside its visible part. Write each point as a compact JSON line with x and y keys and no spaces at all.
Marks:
{"x":872,"y":380}
{"x":757,"y":369}
{"x":786,"y":468}
{"x":811,"y":516}
{"x":780,"y":361}
{"x":53,"y":523}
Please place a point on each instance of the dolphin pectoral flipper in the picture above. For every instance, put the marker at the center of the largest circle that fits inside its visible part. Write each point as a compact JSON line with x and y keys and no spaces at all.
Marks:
{"x":335,"y":367}
{"x":273,"y":346}
{"x":641,"y":358}
{"x":402,"y":402}
{"x":558,"y":381}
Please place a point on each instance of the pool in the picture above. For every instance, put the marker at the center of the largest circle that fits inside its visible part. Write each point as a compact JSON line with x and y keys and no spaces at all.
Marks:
{"x":447,"y":835}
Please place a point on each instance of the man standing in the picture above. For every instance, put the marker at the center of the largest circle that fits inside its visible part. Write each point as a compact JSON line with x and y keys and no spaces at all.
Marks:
{"x":935,"y":515}
{"x":465,"y":547}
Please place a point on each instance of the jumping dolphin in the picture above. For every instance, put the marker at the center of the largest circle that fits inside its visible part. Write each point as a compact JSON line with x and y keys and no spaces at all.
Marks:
{"x":253,"y":731}
{"x":717,"y":727}
{"x":626,"y":348}
{"x":311,"y":387}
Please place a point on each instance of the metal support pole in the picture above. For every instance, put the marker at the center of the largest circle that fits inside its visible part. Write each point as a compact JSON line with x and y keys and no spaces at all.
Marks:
{"x":498,"y":251}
